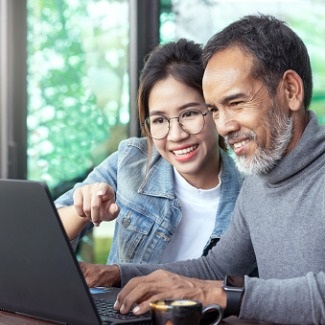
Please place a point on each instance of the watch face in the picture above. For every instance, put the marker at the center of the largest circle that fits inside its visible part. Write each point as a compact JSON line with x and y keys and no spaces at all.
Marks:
{"x":234,"y":282}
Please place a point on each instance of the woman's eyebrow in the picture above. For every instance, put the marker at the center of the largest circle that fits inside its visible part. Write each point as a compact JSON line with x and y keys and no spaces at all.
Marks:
{"x":180,"y":108}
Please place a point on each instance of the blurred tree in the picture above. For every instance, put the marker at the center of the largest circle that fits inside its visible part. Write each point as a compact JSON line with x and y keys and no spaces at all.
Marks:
{"x":77,"y":86}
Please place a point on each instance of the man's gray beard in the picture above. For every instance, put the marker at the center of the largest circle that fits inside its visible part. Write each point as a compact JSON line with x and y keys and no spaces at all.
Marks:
{"x":266,"y":158}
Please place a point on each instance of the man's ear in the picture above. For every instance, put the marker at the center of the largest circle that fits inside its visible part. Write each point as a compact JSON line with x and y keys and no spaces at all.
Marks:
{"x":293,"y":88}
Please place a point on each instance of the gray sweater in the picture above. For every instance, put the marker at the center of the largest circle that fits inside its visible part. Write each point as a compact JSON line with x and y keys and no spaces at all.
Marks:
{"x":278,"y":222}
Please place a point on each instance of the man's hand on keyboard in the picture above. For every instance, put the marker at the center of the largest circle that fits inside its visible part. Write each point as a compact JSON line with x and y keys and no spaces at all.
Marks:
{"x":166,"y":285}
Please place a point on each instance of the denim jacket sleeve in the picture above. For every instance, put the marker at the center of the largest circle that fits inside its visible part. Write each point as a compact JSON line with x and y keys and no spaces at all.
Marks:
{"x":149,"y":210}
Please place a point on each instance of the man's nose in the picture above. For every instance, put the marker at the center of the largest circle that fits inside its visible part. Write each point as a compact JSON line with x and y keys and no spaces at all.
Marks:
{"x":226,"y":124}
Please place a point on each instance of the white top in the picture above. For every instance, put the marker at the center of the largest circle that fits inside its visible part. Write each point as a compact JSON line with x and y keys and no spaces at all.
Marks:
{"x":199,"y":210}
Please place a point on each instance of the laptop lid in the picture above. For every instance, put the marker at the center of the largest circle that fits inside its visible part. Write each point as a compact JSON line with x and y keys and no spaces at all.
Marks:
{"x":39,"y":274}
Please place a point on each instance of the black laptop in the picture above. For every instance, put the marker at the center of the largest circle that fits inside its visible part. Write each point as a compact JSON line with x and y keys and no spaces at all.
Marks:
{"x":39,"y":273}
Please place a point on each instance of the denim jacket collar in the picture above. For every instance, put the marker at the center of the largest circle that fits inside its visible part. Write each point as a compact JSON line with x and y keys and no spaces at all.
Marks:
{"x":160,"y":179}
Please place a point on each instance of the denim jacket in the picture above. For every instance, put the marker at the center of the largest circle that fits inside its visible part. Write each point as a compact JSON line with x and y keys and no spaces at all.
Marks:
{"x":149,"y":210}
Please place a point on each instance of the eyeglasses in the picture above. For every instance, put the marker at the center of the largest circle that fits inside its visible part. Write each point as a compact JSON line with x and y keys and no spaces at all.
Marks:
{"x":191,"y":121}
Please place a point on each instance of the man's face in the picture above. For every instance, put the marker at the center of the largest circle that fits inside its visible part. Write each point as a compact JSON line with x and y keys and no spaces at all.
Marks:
{"x":254,"y":125}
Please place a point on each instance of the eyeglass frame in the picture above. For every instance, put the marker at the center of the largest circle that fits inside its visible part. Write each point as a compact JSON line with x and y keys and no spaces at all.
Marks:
{"x":146,"y":123}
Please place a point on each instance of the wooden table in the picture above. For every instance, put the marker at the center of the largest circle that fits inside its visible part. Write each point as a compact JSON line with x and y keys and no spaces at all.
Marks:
{"x":14,"y":319}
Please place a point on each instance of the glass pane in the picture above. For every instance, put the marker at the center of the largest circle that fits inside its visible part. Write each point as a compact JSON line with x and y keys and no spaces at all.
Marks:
{"x":78,"y":90}
{"x":200,"y":19}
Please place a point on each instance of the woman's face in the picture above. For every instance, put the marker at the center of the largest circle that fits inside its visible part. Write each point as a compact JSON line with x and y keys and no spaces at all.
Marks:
{"x":195,"y":156}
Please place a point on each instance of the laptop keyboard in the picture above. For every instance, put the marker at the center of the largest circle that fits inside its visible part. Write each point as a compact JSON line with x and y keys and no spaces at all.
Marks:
{"x":106,"y":309}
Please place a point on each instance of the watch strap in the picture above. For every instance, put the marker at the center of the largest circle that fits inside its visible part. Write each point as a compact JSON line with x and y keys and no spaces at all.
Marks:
{"x":234,"y":289}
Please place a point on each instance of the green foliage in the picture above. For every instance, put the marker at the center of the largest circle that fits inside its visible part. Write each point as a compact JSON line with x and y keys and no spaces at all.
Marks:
{"x":314,"y":40}
{"x":102,"y":247}
{"x":76,"y":86}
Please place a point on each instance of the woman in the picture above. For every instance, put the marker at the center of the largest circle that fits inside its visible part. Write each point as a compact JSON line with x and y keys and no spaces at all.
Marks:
{"x":173,"y":191}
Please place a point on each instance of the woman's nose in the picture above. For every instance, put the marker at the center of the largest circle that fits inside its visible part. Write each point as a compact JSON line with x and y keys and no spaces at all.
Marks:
{"x":175,"y":130}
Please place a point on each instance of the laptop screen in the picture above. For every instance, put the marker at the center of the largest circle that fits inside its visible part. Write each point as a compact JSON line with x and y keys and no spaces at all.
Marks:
{"x":39,"y":274}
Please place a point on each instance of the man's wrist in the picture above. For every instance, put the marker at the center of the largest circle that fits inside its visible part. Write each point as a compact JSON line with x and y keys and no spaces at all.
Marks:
{"x":117,"y":275}
{"x":234,"y":287}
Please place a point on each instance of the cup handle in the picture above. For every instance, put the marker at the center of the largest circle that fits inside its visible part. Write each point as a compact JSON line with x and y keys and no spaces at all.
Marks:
{"x":215,"y":310}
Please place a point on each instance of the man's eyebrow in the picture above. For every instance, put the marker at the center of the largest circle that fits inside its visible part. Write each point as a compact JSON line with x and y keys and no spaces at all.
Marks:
{"x":232,"y":97}
{"x":227,"y":99}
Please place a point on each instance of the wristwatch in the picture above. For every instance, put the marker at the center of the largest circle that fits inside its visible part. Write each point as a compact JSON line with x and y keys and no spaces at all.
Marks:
{"x":234,"y":289}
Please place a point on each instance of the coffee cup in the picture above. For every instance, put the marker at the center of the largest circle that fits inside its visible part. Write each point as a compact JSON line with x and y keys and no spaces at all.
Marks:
{"x":184,"y":312}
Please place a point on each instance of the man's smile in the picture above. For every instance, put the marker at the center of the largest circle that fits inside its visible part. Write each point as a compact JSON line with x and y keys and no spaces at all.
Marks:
{"x":240,"y":144}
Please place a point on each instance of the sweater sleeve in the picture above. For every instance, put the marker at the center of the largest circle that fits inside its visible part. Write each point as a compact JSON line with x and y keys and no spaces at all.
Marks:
{"x":299,"y":300}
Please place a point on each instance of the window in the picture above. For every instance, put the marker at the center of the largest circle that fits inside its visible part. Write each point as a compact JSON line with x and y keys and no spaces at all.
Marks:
{"x":83,"y":59}
{"x":78,"y":88}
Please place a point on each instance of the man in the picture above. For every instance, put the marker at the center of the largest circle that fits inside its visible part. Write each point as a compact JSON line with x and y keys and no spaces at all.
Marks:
{"x":258,"y":84}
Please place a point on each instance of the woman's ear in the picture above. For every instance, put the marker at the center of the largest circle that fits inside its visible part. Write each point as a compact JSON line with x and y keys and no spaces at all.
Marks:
{"x":293,"y":88}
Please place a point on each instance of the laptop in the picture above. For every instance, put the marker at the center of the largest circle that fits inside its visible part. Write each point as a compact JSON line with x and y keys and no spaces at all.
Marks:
{"x":39,"y":273}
